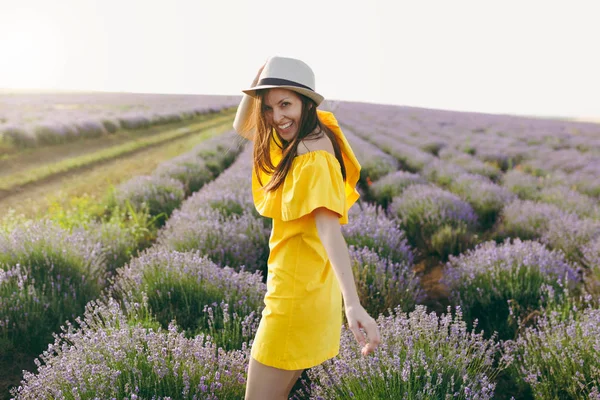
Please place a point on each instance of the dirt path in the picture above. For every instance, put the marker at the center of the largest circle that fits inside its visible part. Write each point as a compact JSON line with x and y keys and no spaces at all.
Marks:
{"x":33,"y":200}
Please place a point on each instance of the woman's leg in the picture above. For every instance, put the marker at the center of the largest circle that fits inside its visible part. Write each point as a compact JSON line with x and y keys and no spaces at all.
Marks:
{"x":268,"y":383}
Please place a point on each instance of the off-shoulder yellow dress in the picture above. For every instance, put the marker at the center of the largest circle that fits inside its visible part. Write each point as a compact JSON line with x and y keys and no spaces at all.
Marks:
{"x":301,"y":323}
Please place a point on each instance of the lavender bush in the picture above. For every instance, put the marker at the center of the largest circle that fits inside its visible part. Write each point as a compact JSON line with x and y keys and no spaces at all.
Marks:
{"x":191,"y":171}
{"x":110,"y":357}
{"x":370,"y":227}
{"x":221,"y":221}
{"x":159,"y":195}
{"x":89,"y":128}
{"x":49,"y":277}
{"x":235,"y":241}
{"x":486,"y":198}
{"x":18,"y":136}
{"x":110,"y":125}
{"x":571,"y":235}
{"x":502,"y":158}
{"x":411,"y":158}
{"x":134,"y":121}
{"x":421,"y":356}
{"x":558,"y":357}
{"x":525,"y":186}
{"x":382,"y":284}
{"x":492,"y":281}
{"x":586,"y":182}
{"x":591,"y":254}
{"x":558,"y":229}
{"x":373,"y":161}
{"x":192,"y":290}
{"x":472,"y":164}
{"x":436,"y":221}
{"x":121,"y":239}
{"x":433,"y":146}
{"x":219,"y":152}
{"x":392,"y":185}
{"x":53,"y":132}
{"x":527,"y":219}
{"x":441,"y":172}
{"x":571,"y":201}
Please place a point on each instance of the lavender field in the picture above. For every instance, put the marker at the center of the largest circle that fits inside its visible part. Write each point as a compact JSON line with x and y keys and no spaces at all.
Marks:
{"x":39,"y":119}
{"x":476,"y":242}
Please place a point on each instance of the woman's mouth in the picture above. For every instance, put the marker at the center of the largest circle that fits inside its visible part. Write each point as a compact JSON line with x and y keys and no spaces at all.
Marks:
{"x":285,"y":128}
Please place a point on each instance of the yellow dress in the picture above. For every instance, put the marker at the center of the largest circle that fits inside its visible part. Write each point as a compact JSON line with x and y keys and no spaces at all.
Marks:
{"x":301,"y":323}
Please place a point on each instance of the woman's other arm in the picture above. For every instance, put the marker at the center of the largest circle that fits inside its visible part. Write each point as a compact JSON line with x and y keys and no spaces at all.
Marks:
{"x":330,"y":233}
{"x":241,"y":116}
{"x":244,"y":111}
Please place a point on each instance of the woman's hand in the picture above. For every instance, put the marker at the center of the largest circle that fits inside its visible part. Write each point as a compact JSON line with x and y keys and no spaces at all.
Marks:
{"x":358,"y":318}
{"x":255,"y":81}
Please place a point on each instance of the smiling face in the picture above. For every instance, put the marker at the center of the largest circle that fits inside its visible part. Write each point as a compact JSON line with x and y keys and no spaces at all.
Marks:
{"x":282,"y":109}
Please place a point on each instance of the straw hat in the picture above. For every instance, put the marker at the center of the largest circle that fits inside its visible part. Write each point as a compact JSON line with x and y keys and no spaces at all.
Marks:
{"x":287,"y":73}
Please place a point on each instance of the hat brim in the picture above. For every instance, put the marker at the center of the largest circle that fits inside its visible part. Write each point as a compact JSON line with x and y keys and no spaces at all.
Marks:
{"x":306,"y":92}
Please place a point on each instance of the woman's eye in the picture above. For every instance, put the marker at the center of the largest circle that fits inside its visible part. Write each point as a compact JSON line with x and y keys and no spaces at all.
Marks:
{"x":285,"y":103}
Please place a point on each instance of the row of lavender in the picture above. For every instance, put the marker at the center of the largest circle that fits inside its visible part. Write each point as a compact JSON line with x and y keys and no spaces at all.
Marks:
{"x":454,"y":203}
{"x":195,"y":283}
{"x":498,"y":286}
{"x":558,"y":152}
{"x":30,"y":120}
{"x":51,"y":270}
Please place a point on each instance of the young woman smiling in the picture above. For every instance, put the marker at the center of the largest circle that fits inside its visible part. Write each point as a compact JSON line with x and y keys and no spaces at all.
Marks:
{"x":304,"y":177}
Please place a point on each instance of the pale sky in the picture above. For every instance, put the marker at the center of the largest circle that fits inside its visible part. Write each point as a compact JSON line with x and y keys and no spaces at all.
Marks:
{"x":523,"y":57}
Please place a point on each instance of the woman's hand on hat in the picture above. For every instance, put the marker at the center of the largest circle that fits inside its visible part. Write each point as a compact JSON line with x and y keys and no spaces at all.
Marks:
{"x":255,"y":81}
{"x":358,"y":318}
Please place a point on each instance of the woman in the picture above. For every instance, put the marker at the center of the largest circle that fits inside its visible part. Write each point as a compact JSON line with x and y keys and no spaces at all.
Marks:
{"x":303,"y":177}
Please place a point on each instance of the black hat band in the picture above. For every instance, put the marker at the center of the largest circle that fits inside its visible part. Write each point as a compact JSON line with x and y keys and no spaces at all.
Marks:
{"x":281,"y":82}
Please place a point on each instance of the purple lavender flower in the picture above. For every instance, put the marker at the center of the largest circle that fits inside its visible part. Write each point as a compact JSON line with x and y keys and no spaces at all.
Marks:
{"x":527,"y":219}
{"x":192,"y":172}
{"x":570,"y":234}
{"x":50,"y":276}
{"x":420,"y":356}
{"x":89,"y":128}
{"x":370,"y":227}
{"x":19,"y":136}
{"x":180,"y":285}
{"x":471,"y":164}
{"x":486,"y":198}
{"x":524,"y":185}
{"x":134,"y":121}
{"x":434,"y":219}
{"x":373,"y":161}
{"x":158,"y":194}
{"x":484,"y":280}
{"x":383,"y":284}
{"x":109,"y":356}
{"x":220,"y":220}
{"x":392,"y":185}
{"x":557,"y":358}
{"x":441,"y":172}
{"x":570,"y":200}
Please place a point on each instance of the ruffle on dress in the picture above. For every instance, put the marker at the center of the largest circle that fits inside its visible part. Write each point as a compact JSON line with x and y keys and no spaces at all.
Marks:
{"x":314,"y":180}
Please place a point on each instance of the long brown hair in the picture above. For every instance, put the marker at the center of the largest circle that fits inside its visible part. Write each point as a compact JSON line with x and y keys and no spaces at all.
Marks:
{"x":309,"y":121}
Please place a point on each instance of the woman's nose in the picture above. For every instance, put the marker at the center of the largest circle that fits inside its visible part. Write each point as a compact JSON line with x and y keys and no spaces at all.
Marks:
{"x":277,"y":116}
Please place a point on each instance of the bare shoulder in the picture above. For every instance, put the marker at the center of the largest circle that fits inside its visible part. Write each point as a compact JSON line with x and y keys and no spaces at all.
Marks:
{"x":323,"y":143}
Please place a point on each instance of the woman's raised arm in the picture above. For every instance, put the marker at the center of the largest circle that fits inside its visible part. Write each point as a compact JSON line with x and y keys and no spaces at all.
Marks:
{"x":244,"y":110}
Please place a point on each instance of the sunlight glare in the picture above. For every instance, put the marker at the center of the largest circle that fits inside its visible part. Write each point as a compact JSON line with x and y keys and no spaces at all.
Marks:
{"x":32,"y":48}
